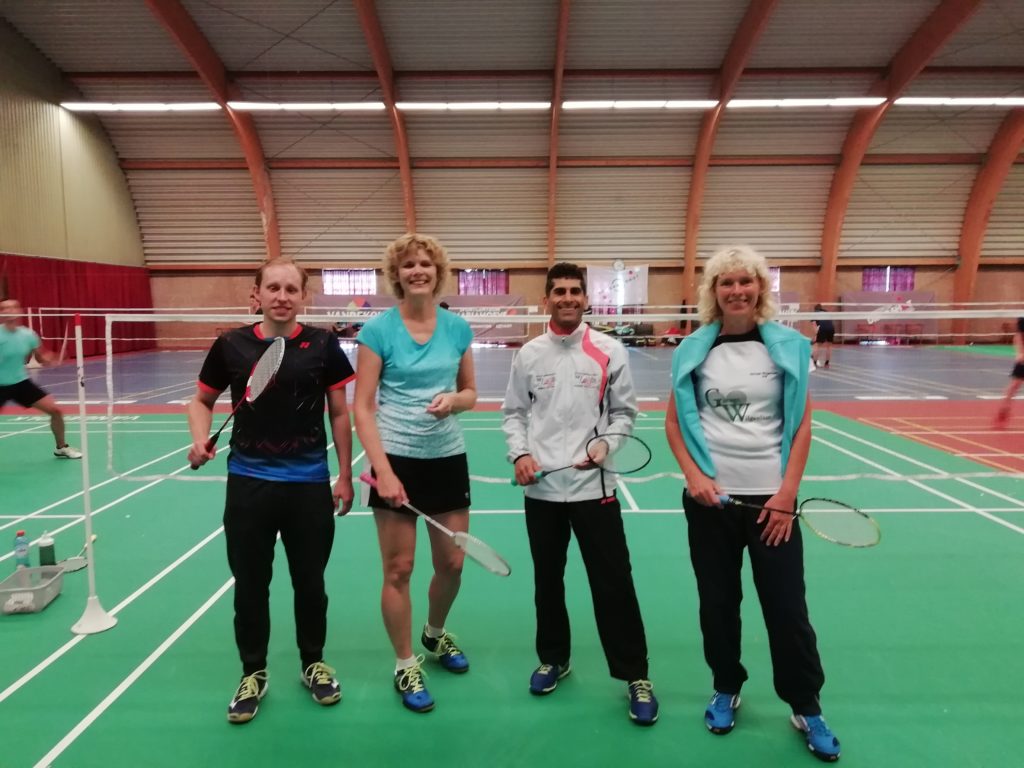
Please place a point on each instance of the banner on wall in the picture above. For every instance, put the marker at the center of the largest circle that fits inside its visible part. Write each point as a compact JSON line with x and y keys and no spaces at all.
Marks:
{"x":482,"y":312}
{"x":617,"y":286}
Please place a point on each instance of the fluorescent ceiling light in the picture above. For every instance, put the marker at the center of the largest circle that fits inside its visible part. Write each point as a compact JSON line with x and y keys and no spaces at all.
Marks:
{"x":961,"y":101}
{"x":588,"y":104}
{"x":691,"y":104}
{"x":140,"y":106}
{"x":471,"y":106}
{"x":861,"y":101}
{"x":307,"y":106}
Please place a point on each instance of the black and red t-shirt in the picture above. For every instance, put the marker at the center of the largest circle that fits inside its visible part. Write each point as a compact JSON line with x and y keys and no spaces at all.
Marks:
{"x":281,"y":435}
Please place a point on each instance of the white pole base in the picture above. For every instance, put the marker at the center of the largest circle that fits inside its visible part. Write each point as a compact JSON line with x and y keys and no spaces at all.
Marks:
{"x":94,"y":620}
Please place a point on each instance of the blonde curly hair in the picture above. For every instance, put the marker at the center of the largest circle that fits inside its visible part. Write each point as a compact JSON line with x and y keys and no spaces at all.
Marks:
{"x":413,"y":242}
{"x":731,"y":259}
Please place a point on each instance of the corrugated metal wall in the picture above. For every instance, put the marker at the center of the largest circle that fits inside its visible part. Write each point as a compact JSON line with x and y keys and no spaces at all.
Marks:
{"x":198,"y":216}
{"x":902,"y":212}
{"x":62,"y":194}
{"x":485,"y":214}
{"x":338,"y":215}
{"x":777,"y":210}
{"x":628,"y":213}
{"x":1005,"y":235}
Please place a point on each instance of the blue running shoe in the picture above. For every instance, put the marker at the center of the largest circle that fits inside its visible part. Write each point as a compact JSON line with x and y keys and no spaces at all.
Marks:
{"x":409,"y":684}
{"x":820,"y":740}
{"x":447,"y":652}
{"x":643,"y":706}
{"x":545,"y":678}
{"x":720,"y":716}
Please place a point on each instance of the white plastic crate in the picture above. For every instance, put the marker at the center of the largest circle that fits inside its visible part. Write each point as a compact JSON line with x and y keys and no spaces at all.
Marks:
{"x":29,"y":590}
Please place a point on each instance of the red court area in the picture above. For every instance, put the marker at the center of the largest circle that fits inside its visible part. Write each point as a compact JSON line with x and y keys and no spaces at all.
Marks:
{"x":962,"y":428}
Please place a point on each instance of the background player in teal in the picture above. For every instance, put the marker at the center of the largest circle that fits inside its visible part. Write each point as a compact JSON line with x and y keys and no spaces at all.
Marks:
{"x":419,"y":358}
{"x":17,"y":344}
{"x":278,"y":477}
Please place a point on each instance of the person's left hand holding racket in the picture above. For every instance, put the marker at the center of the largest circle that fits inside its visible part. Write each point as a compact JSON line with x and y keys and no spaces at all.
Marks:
{"x":778,"y":526}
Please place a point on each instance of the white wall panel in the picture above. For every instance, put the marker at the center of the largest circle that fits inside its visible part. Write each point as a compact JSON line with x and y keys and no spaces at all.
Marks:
{"x":636,"y":214}
{"x":776,"y":210}
{"x":485,"y":214}
{"x":208,"y":217}
{"x":338,"y":215}
{"x":906,"y":212}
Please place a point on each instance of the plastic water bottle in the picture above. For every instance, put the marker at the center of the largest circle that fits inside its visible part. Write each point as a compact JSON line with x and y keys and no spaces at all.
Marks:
{"x":47,"y":554}
{"x":21,"y":551}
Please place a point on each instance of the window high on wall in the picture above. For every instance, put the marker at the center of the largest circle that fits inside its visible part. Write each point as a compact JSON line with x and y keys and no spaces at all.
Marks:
{"x":776,"y":275}
{"x":887,"y":279}
{"x":350,"y":282}
{"x":483,"y":282}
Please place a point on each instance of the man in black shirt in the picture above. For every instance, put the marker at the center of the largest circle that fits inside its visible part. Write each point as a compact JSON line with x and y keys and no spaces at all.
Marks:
{"x":824,"y":335}
{"x":278,"y":476}
{"x":1016,"y":377}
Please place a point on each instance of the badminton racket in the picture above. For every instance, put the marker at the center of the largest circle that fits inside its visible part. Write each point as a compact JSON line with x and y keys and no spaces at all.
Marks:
{"x":831,"y":520}
{"x":613,"y":452}
{"x":481,"y":552}
{"x":261,"y":377}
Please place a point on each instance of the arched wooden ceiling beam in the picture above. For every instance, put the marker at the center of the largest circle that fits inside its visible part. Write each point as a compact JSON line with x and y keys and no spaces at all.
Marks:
{"x":197,"y":49}
{"x":927,"y":40}
{"x":1002,"y":154}
{"x":557,"y":74}
{"x":743,"y":41}
{"x":375,"y":41}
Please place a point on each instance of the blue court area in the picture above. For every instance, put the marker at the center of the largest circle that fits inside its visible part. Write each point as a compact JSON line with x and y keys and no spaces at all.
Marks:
{"x":918,"y":636}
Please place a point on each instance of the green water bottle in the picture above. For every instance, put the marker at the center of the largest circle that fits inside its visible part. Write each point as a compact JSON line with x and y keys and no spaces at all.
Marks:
{"x":47,"y":554}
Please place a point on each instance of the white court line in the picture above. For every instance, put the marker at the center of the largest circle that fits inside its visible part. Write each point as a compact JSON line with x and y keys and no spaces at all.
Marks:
{"x":91,"y":488}
{"x":964,"y":505}
{"x":41,"y":666}
{"x":627,"y":495}
{"x":46,"y":423}
{"x":47,"y":759}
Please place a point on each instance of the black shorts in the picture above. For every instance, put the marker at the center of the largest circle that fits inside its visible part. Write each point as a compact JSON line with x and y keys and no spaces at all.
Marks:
{"x":1018,"y":371}
{"x":825,"y":337}
{"x":434,"y":486}
{"x":25,"y":393}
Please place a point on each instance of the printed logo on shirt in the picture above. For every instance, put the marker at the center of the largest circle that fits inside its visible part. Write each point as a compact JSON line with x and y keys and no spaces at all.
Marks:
{"x":734,"y":405}
{"x":587,"y":380}
{"x":543,"y":381}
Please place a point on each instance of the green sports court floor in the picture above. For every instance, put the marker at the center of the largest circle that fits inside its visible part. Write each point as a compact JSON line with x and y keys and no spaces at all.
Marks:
{"x":920,"y":637}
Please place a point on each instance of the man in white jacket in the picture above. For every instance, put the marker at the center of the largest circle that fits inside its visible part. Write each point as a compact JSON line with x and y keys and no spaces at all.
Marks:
{"x":565,"y":387}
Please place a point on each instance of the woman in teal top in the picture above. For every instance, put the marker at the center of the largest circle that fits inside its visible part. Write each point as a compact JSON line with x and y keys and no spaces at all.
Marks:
{"x":739,"y":424}
{"x":416,"y":359}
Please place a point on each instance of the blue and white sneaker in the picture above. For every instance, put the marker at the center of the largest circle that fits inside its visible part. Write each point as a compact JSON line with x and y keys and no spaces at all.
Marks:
{"x":820,"y":740}
{"x":720,"y":715}
{"x":643,"y":705}
{"x":448,"y":654}
{"x":409,"y":684}
{"x":545,"y":678}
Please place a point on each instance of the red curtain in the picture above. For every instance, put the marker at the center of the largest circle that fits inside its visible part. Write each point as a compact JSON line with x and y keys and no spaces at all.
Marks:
{"x":80,"y":285}
{"x":483,"y":282}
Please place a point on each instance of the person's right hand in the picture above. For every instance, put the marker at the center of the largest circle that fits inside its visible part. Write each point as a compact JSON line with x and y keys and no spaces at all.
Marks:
{"x":526,"y":470}
{"x":703,"y":490}
{"x":198,"y":455}
{"x":390,"y":488}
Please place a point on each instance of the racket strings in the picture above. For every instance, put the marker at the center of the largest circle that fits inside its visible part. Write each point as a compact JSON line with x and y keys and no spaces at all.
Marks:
{"x":266,"y":368}
{"x":483,"y":553}
{"x":840,"y":523}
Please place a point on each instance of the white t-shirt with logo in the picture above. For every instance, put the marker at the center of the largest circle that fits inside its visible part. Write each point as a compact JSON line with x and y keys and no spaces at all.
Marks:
{"x":739,"y":396}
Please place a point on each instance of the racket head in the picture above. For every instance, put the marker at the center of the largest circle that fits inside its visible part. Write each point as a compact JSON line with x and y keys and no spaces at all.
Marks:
{"x":840,"y":523}
{"x":482,"y":553}
{"x":626,"y":453}
{"x":265,"y":369}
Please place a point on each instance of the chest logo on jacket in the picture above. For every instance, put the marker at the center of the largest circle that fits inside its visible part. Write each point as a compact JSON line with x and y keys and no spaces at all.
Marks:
{"x":543,"y":381}
{"x":587,"y":380}
{"x":734,"y":404}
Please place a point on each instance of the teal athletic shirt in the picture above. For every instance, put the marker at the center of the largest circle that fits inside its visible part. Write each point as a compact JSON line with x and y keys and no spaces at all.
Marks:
{"x":15,"y":347}
{"x":412,"y":375}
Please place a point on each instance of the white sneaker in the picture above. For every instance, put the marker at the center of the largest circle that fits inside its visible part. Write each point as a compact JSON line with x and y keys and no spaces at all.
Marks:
{"x":67,"y":452}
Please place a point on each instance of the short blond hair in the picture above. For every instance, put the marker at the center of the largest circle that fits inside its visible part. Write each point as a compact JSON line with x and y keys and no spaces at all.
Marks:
{"x":412,"y":241}
{"x":731,"y":259}
{"x":281,"y":261}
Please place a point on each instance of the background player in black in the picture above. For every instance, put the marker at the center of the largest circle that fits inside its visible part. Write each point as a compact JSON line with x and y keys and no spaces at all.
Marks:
{"x":278,"y":477}
{"x":1016,"y":376}
{"x":824,"y":335}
